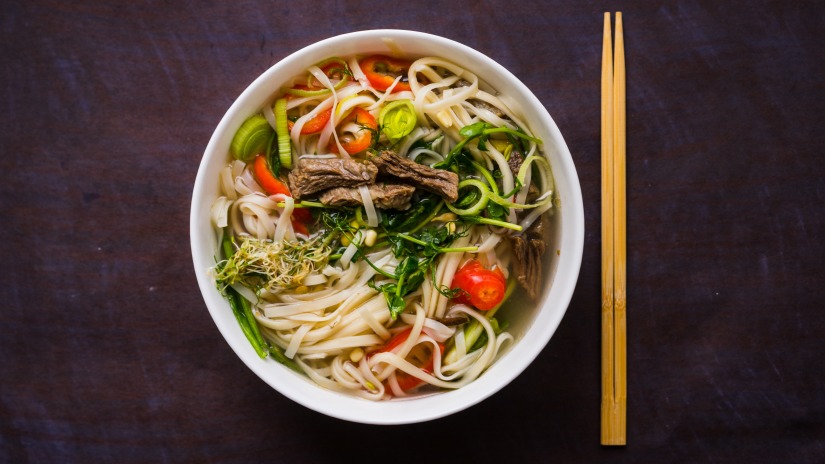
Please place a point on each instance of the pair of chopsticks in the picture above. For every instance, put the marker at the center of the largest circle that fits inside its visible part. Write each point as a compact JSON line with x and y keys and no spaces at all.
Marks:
{"x":614,"y":246}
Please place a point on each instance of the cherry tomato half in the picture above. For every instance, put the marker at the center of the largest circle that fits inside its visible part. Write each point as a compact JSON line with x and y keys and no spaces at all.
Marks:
{"x":480,"y":287}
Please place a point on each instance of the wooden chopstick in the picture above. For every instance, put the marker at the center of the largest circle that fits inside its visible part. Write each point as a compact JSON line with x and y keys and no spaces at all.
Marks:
{"x":614,"y":246}
{"x":607,"y":234}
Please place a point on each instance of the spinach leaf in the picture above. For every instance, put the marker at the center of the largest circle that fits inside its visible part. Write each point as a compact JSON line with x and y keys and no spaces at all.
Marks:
{"x":417,"y":254}
{"x":409,"y":277}
{"x":393,"y":220}
{"x":496,"y":211}
{"x":395,"y":302}
{"x":481,"y":131}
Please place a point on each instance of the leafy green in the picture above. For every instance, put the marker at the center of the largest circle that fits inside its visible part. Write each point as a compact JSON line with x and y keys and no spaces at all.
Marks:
{"x":242,"y":310}
{"x":272,"y":155}
{"x":394,"y":220}
{"x":496,"y":211}
{"x":239,"y":307}
{"x":468,"y":196}
{"x":409,"y":277}
{"x":428,"y":243}
{"x":474,"y":130}
{"x":480,"y":131}
{"x":336,"y":222}
{"x":417,"y":248}
{"x":417,"y":253}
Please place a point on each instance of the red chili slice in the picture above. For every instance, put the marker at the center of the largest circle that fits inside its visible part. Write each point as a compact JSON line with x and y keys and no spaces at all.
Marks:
{"x":362,"y":139}
{"x":382,"y":71}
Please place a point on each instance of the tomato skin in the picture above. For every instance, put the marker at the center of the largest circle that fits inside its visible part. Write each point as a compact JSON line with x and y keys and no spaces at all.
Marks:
{"x":480,"y":287}
{"x":382,"y":70}
{"x":396,"y":340}
{"x":299,"y":227}
{"x":302,"y":214}
{"x":407,"y":382}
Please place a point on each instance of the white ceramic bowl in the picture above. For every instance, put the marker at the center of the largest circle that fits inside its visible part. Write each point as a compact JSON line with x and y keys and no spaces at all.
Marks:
{"x":532,"y":327}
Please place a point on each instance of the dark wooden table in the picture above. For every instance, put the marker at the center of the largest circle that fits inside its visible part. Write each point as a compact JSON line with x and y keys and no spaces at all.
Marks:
{"x":107,"y":352}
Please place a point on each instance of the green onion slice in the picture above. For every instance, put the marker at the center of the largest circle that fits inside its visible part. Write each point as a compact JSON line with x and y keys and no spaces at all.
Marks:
{"x":251,"y":138}
{"x":397,"y":119}
{"x":284,"y":142}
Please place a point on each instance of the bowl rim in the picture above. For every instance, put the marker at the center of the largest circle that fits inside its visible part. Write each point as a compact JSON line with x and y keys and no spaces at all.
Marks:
{"x":429,"y":407}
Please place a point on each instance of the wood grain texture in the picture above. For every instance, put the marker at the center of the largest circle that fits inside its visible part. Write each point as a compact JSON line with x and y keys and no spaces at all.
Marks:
{"x":107,"y":352}
{"x":607,"y":219}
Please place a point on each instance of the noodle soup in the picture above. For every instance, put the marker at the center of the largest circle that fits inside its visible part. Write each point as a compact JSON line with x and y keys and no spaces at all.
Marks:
{"x":387,"y":226}
{"x":375,"y":216}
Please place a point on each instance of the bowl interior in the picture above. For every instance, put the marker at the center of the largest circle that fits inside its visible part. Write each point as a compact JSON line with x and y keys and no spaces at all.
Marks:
{"x":532,"y":326}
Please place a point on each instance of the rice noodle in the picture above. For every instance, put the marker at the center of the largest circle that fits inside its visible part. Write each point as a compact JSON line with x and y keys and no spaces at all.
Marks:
{"x":220,"y":212}
{"x":227,"y":183}
{"x":283,"y":228}
{"x":245,"y":184}
{"x":352,"y":248}
{"x":447,"y":266}
{"x":386,"y":93}
{"x":406,"y":143}
{"x":269,"y":114}
{"x":369,"y":206}
{"x":315,"y":279}
{"x":413,"y":155}
{"x":336,"y":324}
